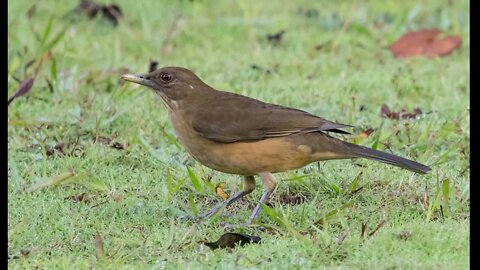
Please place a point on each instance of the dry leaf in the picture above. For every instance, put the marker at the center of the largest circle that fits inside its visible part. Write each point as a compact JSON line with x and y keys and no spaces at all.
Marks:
{"x":276,"y":38}
{"x":109,"y":142}
{"x":23,"y":89}
{"x":291,"y":199}
{"x":404,"y":235}
{"x":364,"y":134}
{"x":82,"y":197}
{"x":99,"y":246}
{"x":57,"y":149}
{"x":229,"y":240}
{"x":380,"y":225}
{"x":220,"y":192}
{"x":364,"y":229}
{"x":424,"y":42}
{"x":112,"y":13}
{"x":403,"y":114}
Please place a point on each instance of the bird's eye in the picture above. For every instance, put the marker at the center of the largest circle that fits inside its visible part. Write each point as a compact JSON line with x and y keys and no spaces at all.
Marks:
{"x":166,"y":77}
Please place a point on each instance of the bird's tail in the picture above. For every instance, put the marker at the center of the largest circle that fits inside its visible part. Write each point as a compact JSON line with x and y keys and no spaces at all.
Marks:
{"x":365,"y":152}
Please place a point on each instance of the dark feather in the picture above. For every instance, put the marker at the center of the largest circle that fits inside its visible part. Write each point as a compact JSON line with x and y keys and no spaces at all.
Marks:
{"x":249,"y":119}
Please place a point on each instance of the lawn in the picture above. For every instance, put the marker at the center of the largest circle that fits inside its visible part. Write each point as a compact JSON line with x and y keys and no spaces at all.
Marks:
{"x":96,"y":178}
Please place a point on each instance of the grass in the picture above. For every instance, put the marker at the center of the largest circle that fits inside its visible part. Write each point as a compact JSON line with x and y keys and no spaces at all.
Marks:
{"x":136,"y":198}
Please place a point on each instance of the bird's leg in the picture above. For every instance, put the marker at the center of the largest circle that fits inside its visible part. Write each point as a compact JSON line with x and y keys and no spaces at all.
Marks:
{"x":248,"y":187}
{"x":269,"y":182}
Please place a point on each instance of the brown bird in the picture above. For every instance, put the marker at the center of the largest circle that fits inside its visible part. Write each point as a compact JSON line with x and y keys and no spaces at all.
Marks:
{"x":239,"y":135}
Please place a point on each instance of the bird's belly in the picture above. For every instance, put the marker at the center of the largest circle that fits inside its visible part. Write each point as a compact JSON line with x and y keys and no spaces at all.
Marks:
{"x":253,"y":157}
{"x":248,"y":158}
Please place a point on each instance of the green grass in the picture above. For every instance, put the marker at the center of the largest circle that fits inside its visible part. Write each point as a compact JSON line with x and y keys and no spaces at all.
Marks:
{"x":136,"y":197}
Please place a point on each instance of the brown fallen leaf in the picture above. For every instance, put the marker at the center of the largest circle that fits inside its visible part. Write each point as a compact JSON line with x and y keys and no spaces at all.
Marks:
{"x":362,"y":135}
{"x":23,"y":89}
{"x":82,"y":197}
{"x":109,"y":142}
{"x":112,"y":13}
{"x":25,"y":252}
{"x":403,"y":114}
{"x":366,"y":132}
{"x":424,"y":42}
{"x":99,"y":250}
{"x":276,"y":38}
{"x":364,"y":229}
{"x":404,"y":235}
{"x":89,"y":8}
{"x":220,"y":192}
{"x":291,"y":199}
{"x":229,"y":240}
{"x":425,"y":198}
{"x":380,"y":225}
{"x":57,"y":149}
{"x":117,"y":145}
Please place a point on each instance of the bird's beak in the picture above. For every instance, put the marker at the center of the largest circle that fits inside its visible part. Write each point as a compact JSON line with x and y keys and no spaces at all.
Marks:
{"x":140,"y":79}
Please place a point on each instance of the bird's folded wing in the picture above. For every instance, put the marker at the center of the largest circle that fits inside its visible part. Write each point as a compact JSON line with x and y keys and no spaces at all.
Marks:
{"x":241,"y":118}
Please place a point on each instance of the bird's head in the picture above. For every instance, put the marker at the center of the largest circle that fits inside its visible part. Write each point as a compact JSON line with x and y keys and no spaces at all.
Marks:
{"x":173,"y":84}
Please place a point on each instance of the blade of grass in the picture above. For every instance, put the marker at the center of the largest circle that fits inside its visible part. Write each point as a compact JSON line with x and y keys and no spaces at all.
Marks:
{"x":47,"y":31}
{"x":283,"y":222}
{"x":53,"y":181}
{"x":192,"y":203}
{"x":354,"y":184}
{"x":195,"y":182}
{"x":446,"y":194}
{"x":435,"y":205}
{"x":332,"y":214}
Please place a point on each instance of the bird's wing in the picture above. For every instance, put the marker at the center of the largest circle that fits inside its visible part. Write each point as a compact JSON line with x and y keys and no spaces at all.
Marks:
{"x":241,"y":118}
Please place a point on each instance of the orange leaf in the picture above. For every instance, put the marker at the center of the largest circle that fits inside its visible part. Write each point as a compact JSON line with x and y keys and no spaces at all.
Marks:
{"x":219,"y":190}
{"x":424,"y":42}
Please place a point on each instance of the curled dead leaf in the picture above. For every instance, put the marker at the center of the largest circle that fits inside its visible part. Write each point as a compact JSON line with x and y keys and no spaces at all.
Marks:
{"x":89,"y":8}
{"x":109,"y":142}
{"x":82,"y":197}
{"x":291,"y":199}
{"x":57,"y":149}
{"x":366,"y":132}
{"x":276,"y":38}
{"x":220,"y":192}
{"x":99,"y":250}
{"x":229,"y":240}
{"x":364,"y":229}
{"x":24,"y":87}
{"x":380,"y":225}
{"x":404,"y":235}
{"x":402,"y":114}
{"x":424,"y":42}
